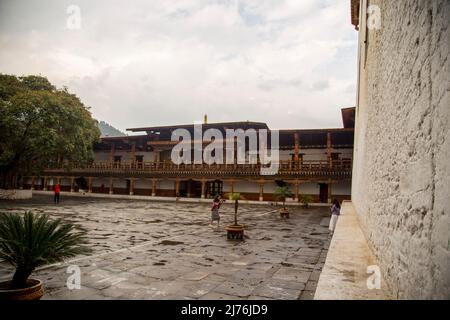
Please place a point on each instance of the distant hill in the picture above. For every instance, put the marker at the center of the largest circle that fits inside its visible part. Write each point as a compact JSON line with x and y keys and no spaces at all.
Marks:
{"x":108,"y":130}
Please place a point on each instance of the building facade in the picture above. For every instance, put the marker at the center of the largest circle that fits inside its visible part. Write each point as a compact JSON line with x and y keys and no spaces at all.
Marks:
{"x":313,"y":162}
{"x":401,"y":172}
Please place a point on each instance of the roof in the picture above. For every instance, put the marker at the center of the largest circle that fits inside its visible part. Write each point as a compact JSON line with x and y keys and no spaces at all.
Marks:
{"x":354,"y":12}
{"x":348,"y":117}
{"x":238,"y":124}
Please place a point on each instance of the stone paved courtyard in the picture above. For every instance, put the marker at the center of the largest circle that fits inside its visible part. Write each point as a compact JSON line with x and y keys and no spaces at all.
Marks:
{"x":166,"y":250}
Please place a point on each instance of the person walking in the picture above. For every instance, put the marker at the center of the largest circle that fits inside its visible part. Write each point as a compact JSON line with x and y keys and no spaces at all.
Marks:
{"x":215,"y":216}
{"x":335,"y":212}
{"x":57,"y":192}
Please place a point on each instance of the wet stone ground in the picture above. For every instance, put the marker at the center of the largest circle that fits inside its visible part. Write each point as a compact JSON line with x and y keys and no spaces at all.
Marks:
{"x":166,"y":250}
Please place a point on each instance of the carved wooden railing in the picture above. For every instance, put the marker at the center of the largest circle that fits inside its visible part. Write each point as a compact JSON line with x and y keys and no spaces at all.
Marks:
{"x":312,"y":167}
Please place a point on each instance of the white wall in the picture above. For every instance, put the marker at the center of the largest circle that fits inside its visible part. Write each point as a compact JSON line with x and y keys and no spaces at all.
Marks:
{"x":401,"y":180}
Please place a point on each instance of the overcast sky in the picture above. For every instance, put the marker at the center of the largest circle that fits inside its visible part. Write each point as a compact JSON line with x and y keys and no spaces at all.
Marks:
{"x":289,"y":63}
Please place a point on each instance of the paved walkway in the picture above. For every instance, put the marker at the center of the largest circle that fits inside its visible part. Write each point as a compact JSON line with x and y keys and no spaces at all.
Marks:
{"x":345,"y":274}
{"x":155,"y":250}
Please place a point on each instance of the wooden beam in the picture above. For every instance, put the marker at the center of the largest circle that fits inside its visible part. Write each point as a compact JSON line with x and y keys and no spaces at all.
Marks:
{"x":203,"y":189}
{"x":330,"y":164}
{"x":261,"y":191}
{"x":154,"y":181}
{"x":111,"y":185}
{"x":296,"y":146}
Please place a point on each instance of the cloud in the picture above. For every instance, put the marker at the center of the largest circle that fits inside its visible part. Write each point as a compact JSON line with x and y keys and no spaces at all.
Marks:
{"x":289,"y":63}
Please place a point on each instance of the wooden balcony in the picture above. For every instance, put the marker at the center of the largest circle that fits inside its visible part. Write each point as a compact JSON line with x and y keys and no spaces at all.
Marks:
{"x":336,"y":169}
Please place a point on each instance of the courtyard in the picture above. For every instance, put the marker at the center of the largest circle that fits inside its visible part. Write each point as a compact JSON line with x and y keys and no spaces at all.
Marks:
{"x":167,"y":250}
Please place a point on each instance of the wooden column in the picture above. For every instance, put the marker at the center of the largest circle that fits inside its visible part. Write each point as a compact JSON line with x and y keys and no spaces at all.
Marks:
{"x":132,"y":186}
{"x":261,"y":191}
{"x":232,"y":186}
{"x":111,"y":186}
{"x":72,"y":182}
{"x":329,"y":190}
{"x":188,"y":186}
{"x":45,"y":184}
{"x":90,"y":184}
{"x":296,"y":190}
{"x":133,"y":152}
{"x":154,"y":181}
{"x":296,"y":147}
{"x":32,"y":182}
{"x":203,"y":189}
{"x":177,"y":188}
{"x":112,"y":152}
{"x":329,"y":150}
{"x":155,"y":155}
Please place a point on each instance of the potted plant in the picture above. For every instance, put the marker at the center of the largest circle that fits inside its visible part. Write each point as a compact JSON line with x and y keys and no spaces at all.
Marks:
{"x":282,"y":193}
{"x":306,"y":200}
{"x":30,"y":241}
{"x":235,"y":231}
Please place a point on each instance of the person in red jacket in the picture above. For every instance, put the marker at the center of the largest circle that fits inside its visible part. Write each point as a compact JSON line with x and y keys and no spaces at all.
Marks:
{"x":57,"y":192}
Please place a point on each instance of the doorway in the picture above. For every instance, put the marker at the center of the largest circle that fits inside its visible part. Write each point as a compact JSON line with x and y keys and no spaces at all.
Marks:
{"x":323,"y":194}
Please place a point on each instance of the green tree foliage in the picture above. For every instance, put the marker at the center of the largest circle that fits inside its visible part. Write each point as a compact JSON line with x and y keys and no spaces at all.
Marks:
{"x":282,"y":193}
{"x":40,"y":127}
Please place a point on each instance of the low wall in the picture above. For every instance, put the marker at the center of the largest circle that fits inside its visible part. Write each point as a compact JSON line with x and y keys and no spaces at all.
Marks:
{"x":15,"y":194}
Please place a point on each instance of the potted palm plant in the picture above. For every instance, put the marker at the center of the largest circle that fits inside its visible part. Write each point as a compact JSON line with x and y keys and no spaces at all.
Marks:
{"x":235,"y":231}
{"x":282,"y":193}
{"x":306,"y":200}
{"x":30,"y":241}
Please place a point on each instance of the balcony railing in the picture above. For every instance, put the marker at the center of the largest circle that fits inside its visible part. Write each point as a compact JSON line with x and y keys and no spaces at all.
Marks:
{"x":313,"y":167}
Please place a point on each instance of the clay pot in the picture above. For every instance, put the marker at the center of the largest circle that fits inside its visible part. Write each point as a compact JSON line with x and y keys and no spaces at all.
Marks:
{"x":235,"y":232}
{"x":33,"y":291}
{"x":284,"y":213}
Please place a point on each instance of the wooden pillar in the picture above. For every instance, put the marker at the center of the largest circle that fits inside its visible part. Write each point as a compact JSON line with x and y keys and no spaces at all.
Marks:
{"x":296,"y":147}
{"x":177,"y":188}
{"x":111,"y":186}
{"x":296,"y":190}
{"x":132,"y":186}
{"x":203,"y":189}
{"x":261,"y":191}
{"x":45,"y":184}
{"x":72,"y":182}
{"x":32,"y":182}
{"x":90,"y":184}
{"x":133,"y":152}
{"x":329,"y":150}
{"x":232,"y":186}
{"x":329,"y":191}
{"x":188,"y":186}
{"x":112,"y":152}
{"x":154,"y":181}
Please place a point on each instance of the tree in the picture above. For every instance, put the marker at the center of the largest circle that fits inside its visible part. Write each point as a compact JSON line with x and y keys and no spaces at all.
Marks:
{"x":31,"y":240}
{"x":235,"y":197}
{"x":282,"y":194}
{"x":41,"y":127}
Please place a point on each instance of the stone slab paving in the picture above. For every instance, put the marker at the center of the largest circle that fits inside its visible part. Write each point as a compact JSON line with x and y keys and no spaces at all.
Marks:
{"x":161,"y":250}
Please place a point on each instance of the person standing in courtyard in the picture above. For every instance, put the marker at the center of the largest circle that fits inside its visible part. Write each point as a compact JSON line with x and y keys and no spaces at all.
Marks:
{"x":57,"y":192}
{"x":215,"y":216}
{"x":335,"y":212}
